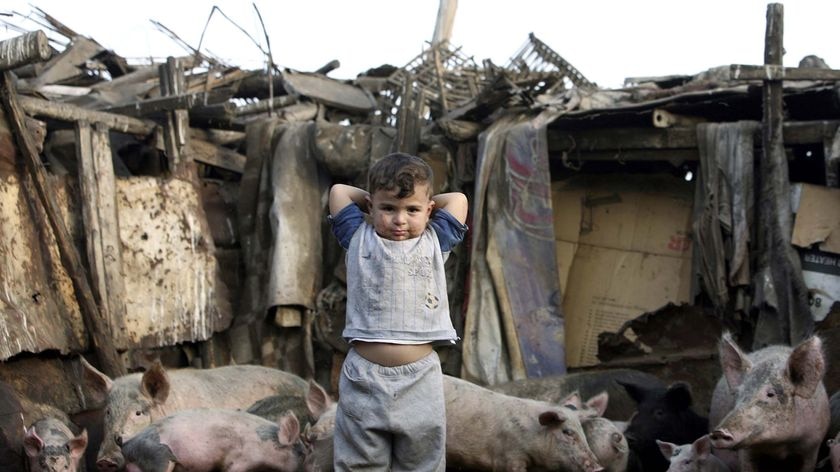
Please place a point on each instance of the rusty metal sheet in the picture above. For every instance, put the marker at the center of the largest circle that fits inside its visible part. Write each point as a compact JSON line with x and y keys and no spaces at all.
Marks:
{"x":329,"y":91}
{"x":173,"y":293}
{"x":38,"y":309}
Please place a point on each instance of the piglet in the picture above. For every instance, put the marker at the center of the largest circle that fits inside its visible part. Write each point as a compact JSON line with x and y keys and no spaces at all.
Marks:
{"x":607,"y":443}
{"x":776,"y":404}
{"x":694,"y":457}
{"x":834,"y":453}
{"x":50,"y":446}
{"x":210,"y":440}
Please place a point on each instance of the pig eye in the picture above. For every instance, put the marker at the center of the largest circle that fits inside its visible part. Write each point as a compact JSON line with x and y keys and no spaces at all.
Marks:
{"x":138,"y":413}
{"x":771,"y":393}
{"x":569,"y":432}
{"x":659,"y":414}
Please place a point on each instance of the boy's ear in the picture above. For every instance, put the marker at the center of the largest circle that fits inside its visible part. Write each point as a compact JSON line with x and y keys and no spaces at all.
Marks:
{"x":368,"y":203}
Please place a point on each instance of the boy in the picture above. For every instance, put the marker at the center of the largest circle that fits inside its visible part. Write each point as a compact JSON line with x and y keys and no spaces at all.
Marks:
{"x":391,"y":413}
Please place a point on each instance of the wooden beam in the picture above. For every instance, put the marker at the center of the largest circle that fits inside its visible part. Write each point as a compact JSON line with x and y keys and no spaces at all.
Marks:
{"x":169,"y":103}
{"x":627,"y":140}
{"x":67,"y":112}
{"x":101,"y":223}
{"x":218,"y":156}
{"x":24,"y":49}
{"x":96,"y":325}
{"x":777,"y":72}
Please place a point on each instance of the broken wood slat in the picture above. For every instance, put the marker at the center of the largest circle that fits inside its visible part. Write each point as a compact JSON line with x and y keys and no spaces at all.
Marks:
{"x":66,"y":112}
{"x":218,"y":156}
{"x":263,"y":106}
{"x":169,"y":103}
{"x":140,"y":75}
{"x":329,"y":91}
{"x":102,"y":342}
{"x":25,"y":49}
{"x":777,"y":72}
{"x":65,"y":65}
{"x":219,"y":137}
{"x":99,"y":215}
{"x":678,"y":137}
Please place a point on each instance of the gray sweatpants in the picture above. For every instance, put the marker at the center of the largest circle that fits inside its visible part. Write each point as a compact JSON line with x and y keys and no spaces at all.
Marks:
{"x":390,"y":418}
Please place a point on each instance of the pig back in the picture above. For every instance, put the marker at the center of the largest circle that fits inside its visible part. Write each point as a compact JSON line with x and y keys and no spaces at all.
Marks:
{"x":554,"y":389}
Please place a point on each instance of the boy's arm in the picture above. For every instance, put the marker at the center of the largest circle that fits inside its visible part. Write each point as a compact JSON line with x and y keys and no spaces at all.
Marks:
{"x":342,"y":195}
{"x":454,"y":202}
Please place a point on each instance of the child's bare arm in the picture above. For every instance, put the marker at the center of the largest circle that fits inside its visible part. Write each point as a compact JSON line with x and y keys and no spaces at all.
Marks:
{"x":454,"y":202}
{"x":342,"y":195}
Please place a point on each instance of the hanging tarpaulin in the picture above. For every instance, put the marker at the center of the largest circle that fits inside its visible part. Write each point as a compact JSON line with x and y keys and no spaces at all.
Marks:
{"x":514,"y":324}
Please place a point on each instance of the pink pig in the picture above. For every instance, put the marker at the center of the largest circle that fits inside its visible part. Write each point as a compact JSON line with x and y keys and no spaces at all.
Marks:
{"x":50,"y":446}
{"x":775,"y":403}
{"x":208,"y":440}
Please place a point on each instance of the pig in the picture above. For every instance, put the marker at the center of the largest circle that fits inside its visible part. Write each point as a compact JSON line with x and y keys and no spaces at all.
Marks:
{"x":209,"y":440}
{"x":50,"y":446}
{"x":554,"y":388}
{"x":776,"y":406}
{"x":320,"y":439}
{"x":134,"y":401}
{"x":307,"y":410}
{"x":834,"y":452}
{"x":664,"y":414}
{"x":694,"y":457}
{"x":492,"y":431}
{"x":592,"y":408}
{"x":607,"y":443}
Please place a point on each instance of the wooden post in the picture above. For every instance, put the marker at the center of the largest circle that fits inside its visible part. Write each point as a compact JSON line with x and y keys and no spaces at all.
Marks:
{"x":25,"y":49}
{"x":783,"y":314}
{"x":99,"y":212}
{"x":444,"y":21}
{"x":177,"y":121}
{"x":102,"y":343}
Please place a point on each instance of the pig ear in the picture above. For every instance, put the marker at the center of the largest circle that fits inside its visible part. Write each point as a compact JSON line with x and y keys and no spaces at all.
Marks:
{"x":100,"y":381}
{"x":32,"y":443}
{"x":78,"y":444}
{"x":666,"y":448}
{"x":806,"y":367}
{"x":317,"y":399}
{"x":573,"y":399}
{"x":702,"y":446}
{"x":289,"y":429}
{"x":599,"y":402}
{"x":733,"y":361}
{"x":679,"y":396}
{"x":155,"y":383}
{"x":551,"y":418}
{"x":636,"y":392}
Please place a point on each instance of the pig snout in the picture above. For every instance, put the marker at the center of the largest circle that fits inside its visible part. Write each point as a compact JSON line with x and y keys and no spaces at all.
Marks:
{"x":722,"y":439}
{"x":108,"y":464}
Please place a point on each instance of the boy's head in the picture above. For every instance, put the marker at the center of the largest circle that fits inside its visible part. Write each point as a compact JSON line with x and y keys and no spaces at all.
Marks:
{"x":400,"y":187}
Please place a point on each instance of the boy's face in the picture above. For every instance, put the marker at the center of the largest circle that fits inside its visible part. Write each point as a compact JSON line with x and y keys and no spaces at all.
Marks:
{"x":399,"y":219}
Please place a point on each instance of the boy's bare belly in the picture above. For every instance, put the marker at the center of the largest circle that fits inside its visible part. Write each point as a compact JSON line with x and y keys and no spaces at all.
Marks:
{"x":392,"y":355}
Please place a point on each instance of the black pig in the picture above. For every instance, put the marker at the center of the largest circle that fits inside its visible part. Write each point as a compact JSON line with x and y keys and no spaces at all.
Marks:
{"x":664,"y":414}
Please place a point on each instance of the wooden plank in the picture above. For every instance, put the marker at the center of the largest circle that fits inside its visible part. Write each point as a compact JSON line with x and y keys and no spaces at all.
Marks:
{"x":329,"y":91}
{"x":24,"y":49}
{"x":627,"y":140}
{"x":176,"y":126}
{"x":65,"y":65}
{"x":208,"y":153}
{"x":777,"y":72}
{"x":99,"y":216}
{"x":169,"y":103}
{"x":97,"y":326}
{"x":65,"y":112}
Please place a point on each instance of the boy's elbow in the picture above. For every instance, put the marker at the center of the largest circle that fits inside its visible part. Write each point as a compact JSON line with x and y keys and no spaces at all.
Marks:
{"x":459,"y":207}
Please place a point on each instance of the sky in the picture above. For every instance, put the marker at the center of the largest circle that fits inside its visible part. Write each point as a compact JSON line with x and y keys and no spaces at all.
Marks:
{"x":606,"y":41}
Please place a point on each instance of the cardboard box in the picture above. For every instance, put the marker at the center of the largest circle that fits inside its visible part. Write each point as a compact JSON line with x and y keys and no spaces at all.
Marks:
{"x":816,"y":232}
{"x":623,"y":249}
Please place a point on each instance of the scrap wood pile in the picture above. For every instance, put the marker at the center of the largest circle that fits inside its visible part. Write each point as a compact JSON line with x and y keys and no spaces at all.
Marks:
{"x":187,"y":117}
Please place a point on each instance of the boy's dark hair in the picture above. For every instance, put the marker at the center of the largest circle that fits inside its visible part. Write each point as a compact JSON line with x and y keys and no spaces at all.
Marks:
{"x":401,"y":172}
